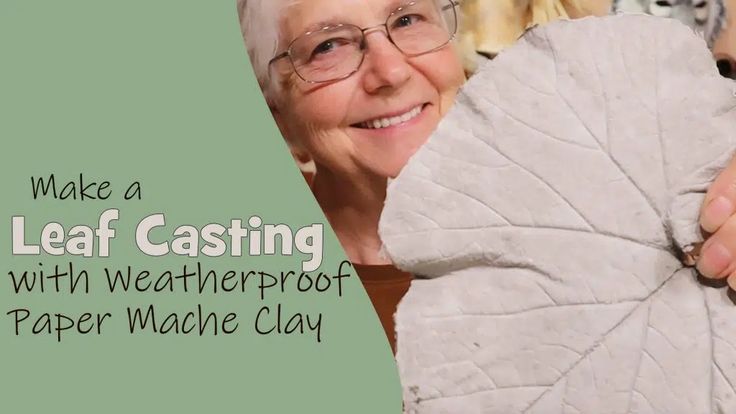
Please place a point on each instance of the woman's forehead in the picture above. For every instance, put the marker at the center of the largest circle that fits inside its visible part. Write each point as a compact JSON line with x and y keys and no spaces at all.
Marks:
{"x":306,"y":15}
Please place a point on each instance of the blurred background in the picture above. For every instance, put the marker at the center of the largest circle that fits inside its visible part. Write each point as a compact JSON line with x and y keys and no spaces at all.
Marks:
{"x":491,"y":25}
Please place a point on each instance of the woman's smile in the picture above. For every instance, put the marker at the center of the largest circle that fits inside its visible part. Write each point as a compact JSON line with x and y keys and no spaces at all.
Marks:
{"x":392,"y":119}
{"x":404,"y":127}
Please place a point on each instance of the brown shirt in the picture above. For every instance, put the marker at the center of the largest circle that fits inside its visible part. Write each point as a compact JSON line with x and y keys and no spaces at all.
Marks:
{"x":386,"y":285}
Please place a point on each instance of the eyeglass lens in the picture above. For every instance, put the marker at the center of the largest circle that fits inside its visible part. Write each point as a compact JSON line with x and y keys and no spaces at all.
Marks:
{"x":335,"y":52}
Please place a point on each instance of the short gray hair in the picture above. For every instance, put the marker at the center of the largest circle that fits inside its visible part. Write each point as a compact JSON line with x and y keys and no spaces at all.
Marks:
{"x":260,"y":23}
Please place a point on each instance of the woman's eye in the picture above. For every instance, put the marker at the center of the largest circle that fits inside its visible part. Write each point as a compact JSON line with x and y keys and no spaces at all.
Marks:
{"x":324,"y":47}
{"x":328,"y":47}
{"x":407,"y":20}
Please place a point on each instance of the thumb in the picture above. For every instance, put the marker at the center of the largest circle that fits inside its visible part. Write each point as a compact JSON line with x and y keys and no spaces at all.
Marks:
{"x":720,"y":201}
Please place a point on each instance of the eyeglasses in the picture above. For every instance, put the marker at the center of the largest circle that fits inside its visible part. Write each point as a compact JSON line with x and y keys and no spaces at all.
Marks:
{"x":335,"y":52}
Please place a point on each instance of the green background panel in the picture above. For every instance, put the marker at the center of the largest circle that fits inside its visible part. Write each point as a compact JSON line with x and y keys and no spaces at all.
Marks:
{"x":162,"y":92}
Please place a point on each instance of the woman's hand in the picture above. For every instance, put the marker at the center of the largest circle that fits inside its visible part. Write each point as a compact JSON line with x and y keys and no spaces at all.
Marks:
{"x":718,"y":219}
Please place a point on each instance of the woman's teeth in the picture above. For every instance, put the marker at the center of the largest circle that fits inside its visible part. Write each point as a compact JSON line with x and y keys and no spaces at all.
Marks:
{"x":394,"y":120}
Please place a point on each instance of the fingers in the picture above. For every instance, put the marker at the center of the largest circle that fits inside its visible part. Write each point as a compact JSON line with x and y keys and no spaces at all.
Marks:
{"x":716,"y":212}
{"x":720,"y":202}
{"x":718,"y":216}
{"x":719,"y":251}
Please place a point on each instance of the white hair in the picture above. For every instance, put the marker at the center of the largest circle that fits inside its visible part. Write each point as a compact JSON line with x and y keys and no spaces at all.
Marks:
{"x":260,"y":22}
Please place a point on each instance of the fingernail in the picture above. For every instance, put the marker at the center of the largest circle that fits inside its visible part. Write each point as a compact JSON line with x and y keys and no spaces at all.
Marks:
{"x":716,"y":213}
{"x":714,"y":260}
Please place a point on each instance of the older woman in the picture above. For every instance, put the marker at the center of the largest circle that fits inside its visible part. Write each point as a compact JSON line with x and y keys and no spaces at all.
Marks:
{"x":359,"y":85}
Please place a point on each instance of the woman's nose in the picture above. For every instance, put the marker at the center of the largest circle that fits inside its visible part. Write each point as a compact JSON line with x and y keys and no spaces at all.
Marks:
{"x":386,"y":66}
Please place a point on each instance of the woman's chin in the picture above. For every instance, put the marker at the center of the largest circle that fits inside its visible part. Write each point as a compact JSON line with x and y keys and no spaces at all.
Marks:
{"x":389,"y":149}
{"x":389,"y":164}
{"x":391,"y":167}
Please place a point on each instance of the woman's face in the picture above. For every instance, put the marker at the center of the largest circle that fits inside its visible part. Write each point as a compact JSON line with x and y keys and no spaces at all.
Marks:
{"x":336,"y":121}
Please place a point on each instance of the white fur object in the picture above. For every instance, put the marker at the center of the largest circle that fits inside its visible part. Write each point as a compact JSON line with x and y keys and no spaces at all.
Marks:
{"x":546,"y":212}
{"x":708,"y":17}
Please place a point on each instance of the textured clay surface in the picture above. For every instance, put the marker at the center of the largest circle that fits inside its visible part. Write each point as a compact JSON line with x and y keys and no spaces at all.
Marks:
{"x":545,"y":215}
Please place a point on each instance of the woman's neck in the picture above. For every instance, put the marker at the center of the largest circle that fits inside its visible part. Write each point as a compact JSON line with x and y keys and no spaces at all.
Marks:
{"x":353,"y":208}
